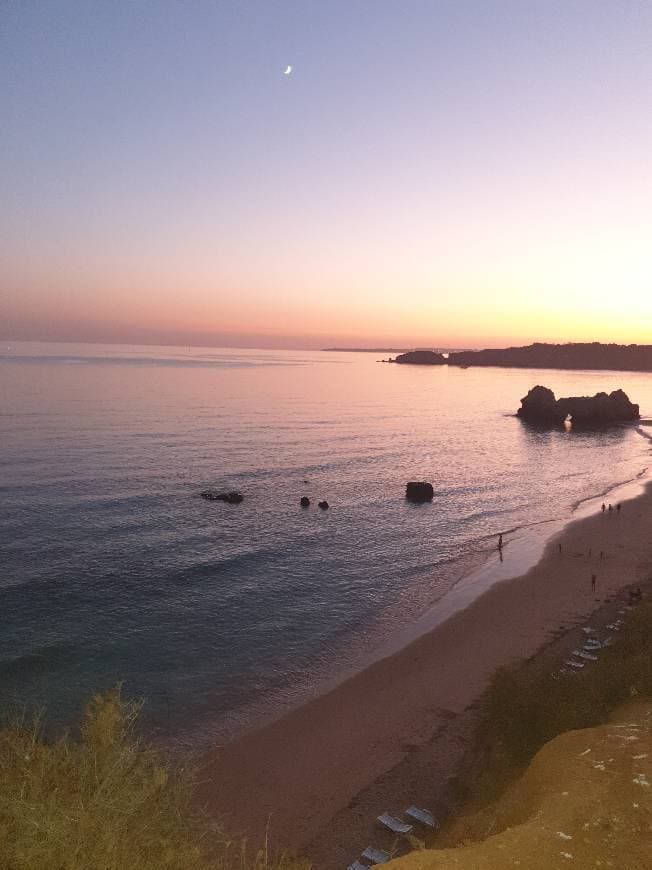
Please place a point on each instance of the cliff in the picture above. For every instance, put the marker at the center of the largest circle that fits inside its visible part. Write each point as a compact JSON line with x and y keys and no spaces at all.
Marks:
{"x":584,"y":802}
{"x":540,"y":406}
{"x":616,"y":357}
{"x":422,"y":358}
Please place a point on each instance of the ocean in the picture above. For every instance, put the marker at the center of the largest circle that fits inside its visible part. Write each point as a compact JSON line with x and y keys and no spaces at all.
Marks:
{"x":113,"y":569}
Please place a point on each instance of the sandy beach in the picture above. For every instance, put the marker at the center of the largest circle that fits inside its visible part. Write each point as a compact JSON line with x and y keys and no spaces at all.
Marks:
{"x":396,"y":733}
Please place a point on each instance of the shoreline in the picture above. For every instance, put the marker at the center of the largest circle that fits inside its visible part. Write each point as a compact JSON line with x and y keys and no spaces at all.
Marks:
{"x":470,"y":578}
{"x":319,"y":769}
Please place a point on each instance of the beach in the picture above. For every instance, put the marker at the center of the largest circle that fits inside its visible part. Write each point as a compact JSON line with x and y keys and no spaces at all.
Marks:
{"x":398,"y":732}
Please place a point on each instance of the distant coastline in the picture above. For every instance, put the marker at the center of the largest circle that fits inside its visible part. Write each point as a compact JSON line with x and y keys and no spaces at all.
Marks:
{"x":365,"y":349}
{"x":385,"y":350}
{"x":593,"y":355}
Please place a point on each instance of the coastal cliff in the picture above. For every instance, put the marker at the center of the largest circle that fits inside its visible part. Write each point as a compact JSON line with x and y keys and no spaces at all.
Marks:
{"x":615,"y":357}
{"x":584,"y":802}
{"x":540,"y":406}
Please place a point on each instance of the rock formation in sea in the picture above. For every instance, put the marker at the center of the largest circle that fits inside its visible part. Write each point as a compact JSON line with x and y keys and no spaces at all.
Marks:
{"x":540,"y":406}
{"x":593,"y":355}
{"x":421,"y":358}
{"x":232,"y":497}
{"x":305,"y":501}
{"x":419,"y":491}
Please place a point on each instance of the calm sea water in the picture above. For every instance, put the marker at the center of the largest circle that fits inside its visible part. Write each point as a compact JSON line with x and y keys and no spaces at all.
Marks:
{"x":113,"y":569}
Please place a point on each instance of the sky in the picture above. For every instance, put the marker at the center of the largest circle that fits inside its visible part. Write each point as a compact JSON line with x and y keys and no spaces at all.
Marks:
{"x":431,"y":173}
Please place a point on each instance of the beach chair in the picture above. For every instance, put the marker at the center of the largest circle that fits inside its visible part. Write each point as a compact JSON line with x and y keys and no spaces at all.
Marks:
{"x":376,"y":856}
{"x":574,"y":664}
{"x":357,"y":865}
{"x":587,"y":656}
{"x":422,"y":816}
{"x":396,"y":826}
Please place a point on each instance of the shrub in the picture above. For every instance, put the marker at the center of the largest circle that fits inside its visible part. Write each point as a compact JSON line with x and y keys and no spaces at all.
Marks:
{"x":105,"y":802}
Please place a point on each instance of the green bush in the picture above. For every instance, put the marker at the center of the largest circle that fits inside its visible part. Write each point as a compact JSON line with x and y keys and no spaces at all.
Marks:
{"x":105,"y":802}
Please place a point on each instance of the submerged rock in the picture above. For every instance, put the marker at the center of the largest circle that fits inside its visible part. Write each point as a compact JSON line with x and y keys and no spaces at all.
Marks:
{"x":540,"y":406}
{"x":323,"y":505}
{"x":305,"y":501}
{"x":419,"y":491}
{"x":232,"y":497}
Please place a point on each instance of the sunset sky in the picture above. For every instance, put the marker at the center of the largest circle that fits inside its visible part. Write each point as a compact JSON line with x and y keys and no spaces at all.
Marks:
{"x":431,"y":173}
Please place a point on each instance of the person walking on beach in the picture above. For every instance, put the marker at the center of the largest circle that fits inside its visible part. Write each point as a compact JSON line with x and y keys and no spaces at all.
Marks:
{"x":500,"y":541}
{"x":618,"y":508}
{"x":604,"y":507}
{"x":593,"y":579}
{"x":610,"y":508}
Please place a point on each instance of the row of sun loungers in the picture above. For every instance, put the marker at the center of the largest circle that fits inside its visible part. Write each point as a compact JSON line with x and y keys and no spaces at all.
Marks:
{"x":590,"y":646}
{"x":417,"y":815}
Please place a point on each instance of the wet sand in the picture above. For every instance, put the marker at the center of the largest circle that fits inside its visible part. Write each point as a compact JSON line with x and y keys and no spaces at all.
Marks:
{"x":397,"y":732}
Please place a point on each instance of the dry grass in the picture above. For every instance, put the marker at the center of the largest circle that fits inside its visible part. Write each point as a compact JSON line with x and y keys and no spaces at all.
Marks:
{"x":106,"y":802}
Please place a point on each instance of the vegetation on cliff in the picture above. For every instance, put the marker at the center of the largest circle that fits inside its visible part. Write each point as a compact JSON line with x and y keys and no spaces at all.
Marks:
{"x":105,"y":802}
{"x":583,"y":802}
{"x":520,"y":794}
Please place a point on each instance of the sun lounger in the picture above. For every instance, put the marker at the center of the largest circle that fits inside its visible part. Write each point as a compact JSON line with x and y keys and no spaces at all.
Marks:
{"x":574,"y":664}
{"x":585,"y":655}
{"x":422,"y":816}
{"x":394,"y":825}
{"x":357,"y":865}
{"x":376,"y":856}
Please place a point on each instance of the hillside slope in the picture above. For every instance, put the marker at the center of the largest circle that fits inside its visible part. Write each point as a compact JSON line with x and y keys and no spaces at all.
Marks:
{"x":584,"y":802}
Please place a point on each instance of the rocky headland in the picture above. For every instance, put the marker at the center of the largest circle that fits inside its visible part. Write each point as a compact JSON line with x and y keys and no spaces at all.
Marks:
{"x":541,"y":406}
{"x":421,"y":358}
{"x":593,"y":355}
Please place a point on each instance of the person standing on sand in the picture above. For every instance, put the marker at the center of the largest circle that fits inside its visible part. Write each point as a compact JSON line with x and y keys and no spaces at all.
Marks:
{"x":593,"y":579}
{"x":604,"y":507}
{"x":618,"y":508}
{"x":610,"y":508}
{"x":500,"y":541}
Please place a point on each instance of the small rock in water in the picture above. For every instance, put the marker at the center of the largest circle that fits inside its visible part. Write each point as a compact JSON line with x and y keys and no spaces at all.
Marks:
{"x":232,"y":497}
{"x":305,"y":501}
{"x":323,"y":505}
{"x":419,"y":491}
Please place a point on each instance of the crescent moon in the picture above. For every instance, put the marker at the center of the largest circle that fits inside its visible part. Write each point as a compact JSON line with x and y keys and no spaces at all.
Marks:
{"x":288,"y":71}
